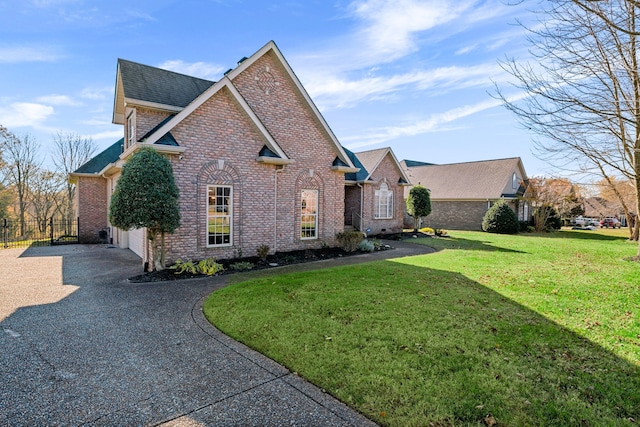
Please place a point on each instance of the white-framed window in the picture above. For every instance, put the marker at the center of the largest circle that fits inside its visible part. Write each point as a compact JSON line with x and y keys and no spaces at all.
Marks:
{"x":514,"y":181}
{"x":383,"y":203}
{"x":309,"y":215}
{"x":219,"y":215}
{"x":131,"y":129}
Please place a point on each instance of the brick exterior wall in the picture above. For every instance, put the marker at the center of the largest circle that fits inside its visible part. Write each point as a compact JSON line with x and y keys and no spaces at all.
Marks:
{"x":92,"y":208}
{"x":221,"y":146}
{"x":455,"y":215}
{"x":388,"y":173}
{"x":351,"y":203}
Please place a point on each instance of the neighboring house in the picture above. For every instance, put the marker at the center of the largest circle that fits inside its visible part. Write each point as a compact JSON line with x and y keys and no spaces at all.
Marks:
{"x":255,"y":161}
{"x":597,"y":207}
{"x":461,"y":193}
{"x":374,"y":196}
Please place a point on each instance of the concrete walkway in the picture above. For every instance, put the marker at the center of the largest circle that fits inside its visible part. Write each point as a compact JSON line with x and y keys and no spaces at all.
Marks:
{"x":80,"y":345}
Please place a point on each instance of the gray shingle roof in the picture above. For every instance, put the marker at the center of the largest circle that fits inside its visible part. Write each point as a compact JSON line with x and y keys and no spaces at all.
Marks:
{"x":110,"y":155}
{"x":151,"y":84}
{"x":473,"y":180}
{"x":370,"y":159}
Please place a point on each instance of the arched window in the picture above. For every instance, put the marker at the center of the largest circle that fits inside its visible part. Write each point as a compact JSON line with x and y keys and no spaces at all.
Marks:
{"x":383,"y":203}
{"x":514,"y":181}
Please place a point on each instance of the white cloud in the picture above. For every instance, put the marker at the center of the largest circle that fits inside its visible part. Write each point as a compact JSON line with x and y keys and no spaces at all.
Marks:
{"x":58,"y":100}
{"x":336,"y":91}
{"x":203,"y":70}
{"x":21,"y":114}
{"x":97,"y":93}
{"x":390,"y":27}
{"x":111,"y":135}
{"x":51,"y":3}
{"x":16,"y":54}
{"x":435,"y":123}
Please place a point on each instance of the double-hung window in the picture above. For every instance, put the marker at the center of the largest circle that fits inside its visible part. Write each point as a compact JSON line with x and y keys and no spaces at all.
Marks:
{"x":383,"y":203}
{"x":309,"y":215}
{"x":219,"y":215}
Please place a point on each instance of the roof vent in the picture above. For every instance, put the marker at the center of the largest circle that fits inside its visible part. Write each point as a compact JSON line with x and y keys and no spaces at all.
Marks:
{"x":228,"y":71}
{"x":244,"y":58}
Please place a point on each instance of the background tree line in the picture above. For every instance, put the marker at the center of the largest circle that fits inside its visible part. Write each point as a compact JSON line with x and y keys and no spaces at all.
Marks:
{"x":31,"y":191}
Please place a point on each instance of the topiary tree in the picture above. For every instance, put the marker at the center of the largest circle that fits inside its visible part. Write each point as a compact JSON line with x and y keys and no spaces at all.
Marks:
{"x":146,"y":196}
{"x":500,"y":218}
{"x":418,"y":204}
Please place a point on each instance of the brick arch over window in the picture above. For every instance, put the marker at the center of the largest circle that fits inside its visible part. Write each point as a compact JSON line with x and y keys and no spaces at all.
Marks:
{"x":219,"y":172}
{"x":308,"y":180}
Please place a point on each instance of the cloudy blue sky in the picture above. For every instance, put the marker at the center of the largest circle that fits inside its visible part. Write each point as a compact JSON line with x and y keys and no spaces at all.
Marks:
{"x":413,"y":75}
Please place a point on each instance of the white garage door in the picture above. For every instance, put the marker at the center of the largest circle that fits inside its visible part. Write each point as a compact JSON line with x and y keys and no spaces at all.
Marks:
{"x":136,"y":240}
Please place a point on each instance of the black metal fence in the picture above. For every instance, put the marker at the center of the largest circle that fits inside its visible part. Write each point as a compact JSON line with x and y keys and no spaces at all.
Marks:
{"x":48,"y":232}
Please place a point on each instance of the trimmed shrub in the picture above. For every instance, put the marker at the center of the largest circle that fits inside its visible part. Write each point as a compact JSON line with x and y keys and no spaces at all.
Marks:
{"x":242,"y":266}
{"x":262,"y":251}
{"x":349,"y":240}
{"x":500,"y":218}
{"x":366,"y":246}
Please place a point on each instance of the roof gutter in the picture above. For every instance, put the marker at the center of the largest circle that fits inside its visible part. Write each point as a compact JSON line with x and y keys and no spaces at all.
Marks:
{"x":163,"y":149}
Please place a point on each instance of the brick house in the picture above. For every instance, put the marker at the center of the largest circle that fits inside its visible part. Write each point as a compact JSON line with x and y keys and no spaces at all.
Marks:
{"x":461,"y":193}
{"x":374,"y":195}
{"x":255,"y":161}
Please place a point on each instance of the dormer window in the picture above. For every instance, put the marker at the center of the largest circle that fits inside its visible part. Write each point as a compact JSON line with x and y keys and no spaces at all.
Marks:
{"x":131,"y":129}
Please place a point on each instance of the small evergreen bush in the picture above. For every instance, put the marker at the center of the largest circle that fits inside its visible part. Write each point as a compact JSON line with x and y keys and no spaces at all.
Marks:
{"x":262,"y":251}
{"x":241,"y":266}
{"x":366,"y":246}
{"x":349,"y":240}
{"x":500,"y":218}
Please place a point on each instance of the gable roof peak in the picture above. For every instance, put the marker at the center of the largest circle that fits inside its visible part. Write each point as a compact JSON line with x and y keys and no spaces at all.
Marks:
{"x":154,"y":87}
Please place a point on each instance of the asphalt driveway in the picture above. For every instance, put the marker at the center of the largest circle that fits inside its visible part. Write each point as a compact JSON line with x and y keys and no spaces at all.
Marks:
{"x":80,"y":345}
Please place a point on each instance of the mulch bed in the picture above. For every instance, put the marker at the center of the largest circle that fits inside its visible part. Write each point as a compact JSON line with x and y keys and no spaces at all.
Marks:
{"x":274,"y":260}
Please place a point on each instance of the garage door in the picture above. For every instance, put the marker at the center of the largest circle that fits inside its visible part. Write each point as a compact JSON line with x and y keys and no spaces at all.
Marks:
{"x":136,"y":240}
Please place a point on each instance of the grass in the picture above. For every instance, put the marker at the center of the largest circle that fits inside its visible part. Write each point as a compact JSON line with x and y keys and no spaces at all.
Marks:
{"x":519,"y":330}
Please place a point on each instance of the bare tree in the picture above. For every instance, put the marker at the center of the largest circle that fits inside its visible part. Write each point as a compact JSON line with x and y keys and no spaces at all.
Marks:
{"x":583,"y":93}
{"x":21,"y":165}
{"x":71,"y":152}
{"x":44,"y":194}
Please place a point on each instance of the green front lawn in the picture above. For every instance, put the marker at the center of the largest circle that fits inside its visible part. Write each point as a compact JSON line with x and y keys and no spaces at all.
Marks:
{"x":518,"y":330}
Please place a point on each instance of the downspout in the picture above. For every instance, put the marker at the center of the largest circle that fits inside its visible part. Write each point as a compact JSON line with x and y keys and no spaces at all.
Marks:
{"x":361,"y":207}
